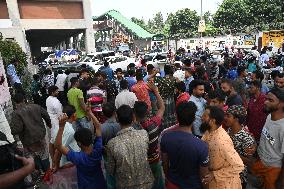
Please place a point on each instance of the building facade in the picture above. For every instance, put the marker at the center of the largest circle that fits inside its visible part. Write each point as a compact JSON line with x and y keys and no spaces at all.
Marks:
{"x":47,"y":23}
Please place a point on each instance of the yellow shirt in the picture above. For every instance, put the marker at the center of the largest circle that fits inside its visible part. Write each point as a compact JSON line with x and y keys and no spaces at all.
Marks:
{"x":225,"y":162}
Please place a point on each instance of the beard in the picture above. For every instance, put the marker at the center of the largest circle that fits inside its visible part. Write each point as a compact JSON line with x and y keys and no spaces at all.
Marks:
{"x":226,"y":93}
{"x":269,"y":109}
{"x":204,"y":127}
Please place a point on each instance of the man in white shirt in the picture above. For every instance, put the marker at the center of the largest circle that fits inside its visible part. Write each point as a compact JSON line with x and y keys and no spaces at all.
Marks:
{"x":125,"y":97}
{"x":54,"y":109}
{"x":61,"y":80}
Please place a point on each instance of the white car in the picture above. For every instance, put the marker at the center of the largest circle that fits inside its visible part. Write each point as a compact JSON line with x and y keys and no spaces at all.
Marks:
{"x":114,"y":62}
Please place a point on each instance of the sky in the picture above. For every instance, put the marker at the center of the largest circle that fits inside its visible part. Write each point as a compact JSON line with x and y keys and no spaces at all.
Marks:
{"x":147,"y":8}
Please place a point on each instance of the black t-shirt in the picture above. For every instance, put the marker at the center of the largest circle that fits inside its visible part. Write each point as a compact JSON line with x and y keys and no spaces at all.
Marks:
{"x":234,"y":100}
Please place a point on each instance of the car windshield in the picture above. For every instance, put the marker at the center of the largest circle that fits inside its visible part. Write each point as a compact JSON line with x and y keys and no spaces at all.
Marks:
{"x":148,"y":57}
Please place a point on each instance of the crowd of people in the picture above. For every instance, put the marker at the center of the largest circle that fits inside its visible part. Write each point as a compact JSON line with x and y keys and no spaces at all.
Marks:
{"x":202,"y":124}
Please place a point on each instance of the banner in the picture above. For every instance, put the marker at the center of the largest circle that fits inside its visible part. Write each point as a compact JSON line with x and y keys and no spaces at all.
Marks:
{"x":273,"y":38}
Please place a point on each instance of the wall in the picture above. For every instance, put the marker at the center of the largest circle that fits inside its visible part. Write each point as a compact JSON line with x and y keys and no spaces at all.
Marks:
{"x":50,"y":10}
{"x":3,"y":10}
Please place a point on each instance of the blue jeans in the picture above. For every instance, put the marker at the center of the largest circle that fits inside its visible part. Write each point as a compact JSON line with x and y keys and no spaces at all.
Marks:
{"x":83,"y":123}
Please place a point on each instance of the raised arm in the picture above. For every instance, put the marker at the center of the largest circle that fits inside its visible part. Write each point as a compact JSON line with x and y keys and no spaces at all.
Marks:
{"x":160,"y":101}
{"x":58,"y":141}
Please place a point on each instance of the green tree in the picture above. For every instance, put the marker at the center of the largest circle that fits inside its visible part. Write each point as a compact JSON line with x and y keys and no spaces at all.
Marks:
{"x":183,"y":24}
{"x":11,"y":50}
{"x":157,"y":23}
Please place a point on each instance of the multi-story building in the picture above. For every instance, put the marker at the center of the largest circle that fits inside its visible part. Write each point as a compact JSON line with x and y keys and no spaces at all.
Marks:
{"x":47,"y":23}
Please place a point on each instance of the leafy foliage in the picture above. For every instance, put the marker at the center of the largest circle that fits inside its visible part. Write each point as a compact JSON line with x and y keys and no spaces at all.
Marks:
{"x":11,"y":50}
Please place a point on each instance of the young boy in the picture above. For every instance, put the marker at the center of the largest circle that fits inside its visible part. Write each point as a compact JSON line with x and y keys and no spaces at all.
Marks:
{"x":88,"y":160}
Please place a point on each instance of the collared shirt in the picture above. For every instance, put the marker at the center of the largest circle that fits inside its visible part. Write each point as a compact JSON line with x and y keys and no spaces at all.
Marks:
{"x":256,"y":116}
{"x":54,"y":109}
{"x":187,"y":82}
{"x":11,"y":71}
{"x":166,"y":86}
{"x":141,"y":91}
{"x":27,"y":122}
{"x":131,"y":81}
{"x":200,"y":104}
{"x":73,"y":95}
{"x":225,"y":162}
{"x":127,"y":159}
{"x":109,"y":130}
{"x":125,"y":97}
{"x":60,"y":81}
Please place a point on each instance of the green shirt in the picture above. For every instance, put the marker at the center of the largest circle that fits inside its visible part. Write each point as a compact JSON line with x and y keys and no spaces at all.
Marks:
{"x":74,"y":94}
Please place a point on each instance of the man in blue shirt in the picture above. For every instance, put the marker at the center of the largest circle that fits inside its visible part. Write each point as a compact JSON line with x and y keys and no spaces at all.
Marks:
{"x":107,"y":70}
{"x":88,"y":160}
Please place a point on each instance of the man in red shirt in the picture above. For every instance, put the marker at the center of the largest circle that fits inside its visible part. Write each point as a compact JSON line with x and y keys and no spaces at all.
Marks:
{"x":256,"y":116}
{"x":141,"y":89}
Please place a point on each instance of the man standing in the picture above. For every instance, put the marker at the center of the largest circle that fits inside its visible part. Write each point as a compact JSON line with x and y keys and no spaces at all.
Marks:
{"x":27,"y":123}
{"x":141,"y":90}
{"x":61,"y":80}
{"x":225,"y":163}
{"x":84,"y":83}
{"x":12,"y":73}
{"x":76,"y":99}
{"x":125,"y":97}
{"x":127,"y":154}
{"x":107,"y":70}
{"x":152,"y":126}
{"x":200,"y":102}
{"x":269,"y":166}
{"x":185,"y":157}
{"x":256,"y":116}
{"x":233,"y":98}
{"x":188,"y":73}
{"x":240,"y":84}
{"x":54,"y":109}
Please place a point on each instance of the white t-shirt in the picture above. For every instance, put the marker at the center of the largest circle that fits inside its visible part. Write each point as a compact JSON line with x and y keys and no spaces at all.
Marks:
{"x":54,"y":109}
{"x":5,"y":128}
{"x":264,"y":58}
{"x":60,"y":81}
{"x":125,"y":97}
{"x":68,"y":141}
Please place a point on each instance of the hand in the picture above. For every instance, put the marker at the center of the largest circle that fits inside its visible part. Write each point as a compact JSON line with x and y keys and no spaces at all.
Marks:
{"x":26,"y":161}
{"x":153,"y":87}
{"x":62,"y":120}
{"x":208,"y":178}
{"x":251,"y":149}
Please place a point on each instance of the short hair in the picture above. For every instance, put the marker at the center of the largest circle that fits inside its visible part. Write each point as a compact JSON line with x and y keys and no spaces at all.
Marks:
{"x":69,"y":110}
{"x":67,"y":72}
{"x":186,"y":113}
{"x":52,"y":89}
{"x":118,"y":70}
{"x":84,"y":136}
{"x":108,"y":109}
{"x":240,"y":70}
{"x":228,"y":81}
{"x":19,"y":98}
{"x":180,"y":86}
{"x":220,"y":96}
{"x":47,"y":72}
{"x":84,"y":71}
{"x":131,"y":65}
{"x":106,"y":63}
{"x":140,"y":109}
{"x":150,"y":67}
{"x":139,"y":75}
{"x":168,"y":70}
{"x":74,"y":80}
{"x":60,"y":71}
{"x":131,"y":72}
{"x":278,"y":93}
{"x":195,"y":83}
{"x":234,"y":62}
{"x":124,"y":84}
{"x":124,"y":115}
{"x":256,"y":83}
{"x":216,"y":113}
{"x":95,"y":81}
{"x":36,"y":77}
{"x":274,"y":74}
{"x":259,"y":75}
{"x":280,"y":75}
